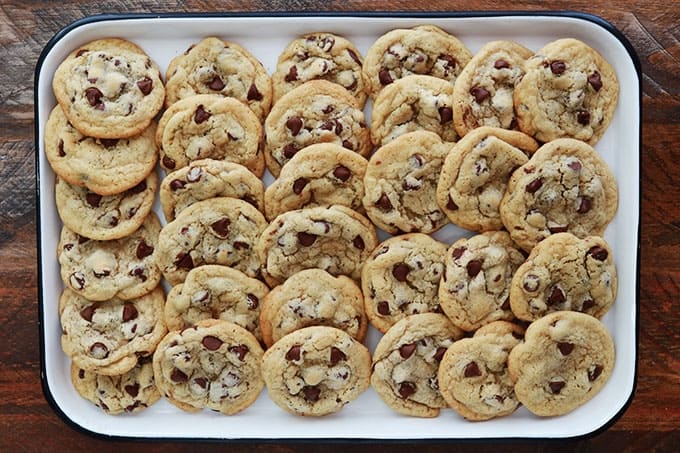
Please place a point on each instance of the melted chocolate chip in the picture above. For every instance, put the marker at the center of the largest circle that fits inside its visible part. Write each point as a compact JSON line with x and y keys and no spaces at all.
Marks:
{"x":500,"y":64}
{"x":558,"y":67}
{"x":383,"y":308}
{"x":253,"y":93}
{"x":407,"y":389}
{"x":451,"y":205}
{"x":93,"y":199}
{"x":347,"y":145}
{"x":458,"y":252}
{"x":221,"y":227}
{"x":253,"y":301}
{"x":289,"y":150}
{"x":473,"y":268}
{"x":299,"y":185}
{"x":556,"y":386}
{"x":87,"y":312}
{"x":587,"y":304}
{"x":61,"y":148}
{"x":342,"y":173}
{"x":99,"y":350}
{"x":94,"y":97}
{"x":439,"y":353}
{"x":201,"y":114}
{"x":216,"y":83}
{"x":184,"y":261}
{"x":354,"y":56}
{"x":176,"y":184}
{"x":472,"y":370}
{"x":145,"y":86}
{"x":169,"y":163}
{"x":293,"y":353}
{"x":565,"y":348}
{"x":336,"y":356}
{"x":583,"y":117}
{"x":384,"y":203}
{"x":595,"y":81}
{"x":178,"y":376}
{"x":358,"y":242}
{"x":479,"y":94}
{"x":534,"y":185}
{"x":585,"y":205}
{"x":129,"y":312}
{"x":132,"y":389}
{"x":143,"y":250}
{"x":294,"y":124}
{"x":385,"y":77}
{"x":445,"y":114}
{"x":211,"y":343}
{"x":400,"y":271}
{"x":594,"y":372}
{"x":599,"y":253}
{"x":108,"y":142}
{"x":407,"y":350}
{"x":241,"y":350}
{"x":311,"y":393}
{"x":556,"y":296}
{"x":292,"y":75}
{"x":306,"y":239}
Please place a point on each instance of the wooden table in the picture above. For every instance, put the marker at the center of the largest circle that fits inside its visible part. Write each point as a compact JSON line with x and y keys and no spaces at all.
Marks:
{"x":652,"y":422}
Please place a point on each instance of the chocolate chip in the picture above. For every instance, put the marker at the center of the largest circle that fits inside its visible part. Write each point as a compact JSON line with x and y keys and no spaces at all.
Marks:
{"x":253,"y":301}
{"x":293,"y":353}
{"x":439,"y":353}
{"x":108,"y":142}
{"x":216,"y":83}
{"x":407,"y":350}
{"x":292,"y":75}
{"x":99,"y":350}
{"x":506,"y":304}
{"x":384,"y":203}
{"x":445,"y":114}
{"x":585,"y":205}
{"x":451,"y":205}
{"x":458,"y":252}
{"x":241,"y":350}
{"x":531,"y":283}
{"x":558,"y":229}
{"x":328,"y":109}
{"x":556,"y":386}
{"x":240,"y":245}
{"x":221,"y":227}
{"x":253,"y":93}
{"x":500,"y":64}
{"x":347,"y":145}
{"x":139,"y":273}
{"x":201,"y":382}
{"x":556,"y":296}
{"x":558,"y":67}
{"x":450,"y":61}
{"x":294,"y":124}
{"x":383,"y":308}
{"x":534,"y":185}
{"x":472,"y":370}
{"x":201,"y":114}
{"x":80,"y":52}
{"x":599,"y":253}
{"x":129,"y":312}
{"x":299,"y":185}
{"x":94,"y":97}
{"x":178,"y":376}
{"x":583,"y":117}
{"x":93,"y":199}
{"x":289,"y":150}
{"x":587,"y":304}
{"x":306,"y":239}
{"x":143,"y":250}
{"x":145,"y":85}
{"x":385,"y":77}
{"x":407,"y":389}
{"x":87,"y":312}
{"x":139,"y":188}
{"x":575,"y":165}
{"x":595,"y":81}
{"x":336,"y":356}
{"x":400,"y":271}
{"x":311,"y":393}
{"x":132,"y":390}
{"x":176,"y":184}
{"x":358,"y":242}
{"x":594,"y":372}
{"x":184,"y":261}
{"x":342,"y":173}
{"x":473,"y":268}
{"x":354,"y":56}
{"x":113,"y":221}
{"x":169,"y":163}
{"x":565,"y":348}
{"x":479,"y":94}
{"x":211,"y":343}
{"x":61,"y":148}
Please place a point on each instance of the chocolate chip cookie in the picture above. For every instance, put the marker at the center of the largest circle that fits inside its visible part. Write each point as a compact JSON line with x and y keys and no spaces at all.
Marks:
{"x":213,"y":365}
{"x":316,"y":370}
{"x":565,"y":187}
{"x":107,"y":337}
{"x":401,"y":181}
{"x":569,"y":90}
{"x":313,"y":297}
{"x":401,"y":278}
{"x":475,"y":287}
{"x":334,"y":238}
{"x":103,"y":166}
{"x":475,"y":175}
{"x":564,"y":272}
{"x":322,"y":174}
{"x":423,"y":50}
{"x":406,"y":360}
{"x":209,"y":178}
{"x":105,"y":217}
{"x":209,"y":126}
{"x":215,"y":66}
{"x":315,"y":112}
{"x":565,"y":360}
{"x":320,"y":56}
{"x":99,"y":270}
{"x":482,"y":93}
{"x":216,"y":231}
{"x":109,"y":88}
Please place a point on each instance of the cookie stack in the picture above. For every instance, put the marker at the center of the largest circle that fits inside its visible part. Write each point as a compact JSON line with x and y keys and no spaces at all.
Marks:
{"x":276,"y":286}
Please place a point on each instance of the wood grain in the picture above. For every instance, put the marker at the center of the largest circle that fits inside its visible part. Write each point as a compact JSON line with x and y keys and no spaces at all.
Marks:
{"x":651,"y":423}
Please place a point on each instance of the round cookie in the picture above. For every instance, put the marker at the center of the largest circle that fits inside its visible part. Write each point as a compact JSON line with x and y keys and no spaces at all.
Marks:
{"x":99,"y":270}
{"x":322,"y":174}
{"x":320,"y":56}
{"x":568,"y":90}
{"x":209,"y":178}
{"x":401,"y":181}
{"x":129,"y":392}
{"x":334,"y":238}
{"x":565,"y":360}
{"x":209,"y":126}
{"x":218,"y":292}
{"x":315,"y":112}
{"x":475,"y":175}
{"x":214,"y":66}
{"x":565,"y":187}
{"x":316,"y":370}
{"x":103,"y":166}
{"x":107,"y":337}
{"x":313,"y":297}
{"x":475,"y":287}
{"x":109,"y":88}
{"x":213,"y":365}
{"x":406,"y":360}
{"x":473,"y":375}
{"x":410,"y":104}
{"x":482,"y":93}
{"x":564,"y":272}
{"x":215,"y":231}
{"x":105,"y":217}
{"x":401,"y":278}
{"x":424,"y":50}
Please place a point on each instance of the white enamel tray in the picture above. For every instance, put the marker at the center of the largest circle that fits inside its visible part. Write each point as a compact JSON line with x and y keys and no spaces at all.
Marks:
{"x":164,"y":37}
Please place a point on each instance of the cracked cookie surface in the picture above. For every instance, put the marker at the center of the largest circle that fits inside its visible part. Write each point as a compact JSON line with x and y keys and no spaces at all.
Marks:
{"x":316,"y":370}
{"x":401,"y":278}
{"x":406,"y":360}
{"x":213,"y":365}
{"x":564,"y":272}
{"x":565,"y":187}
